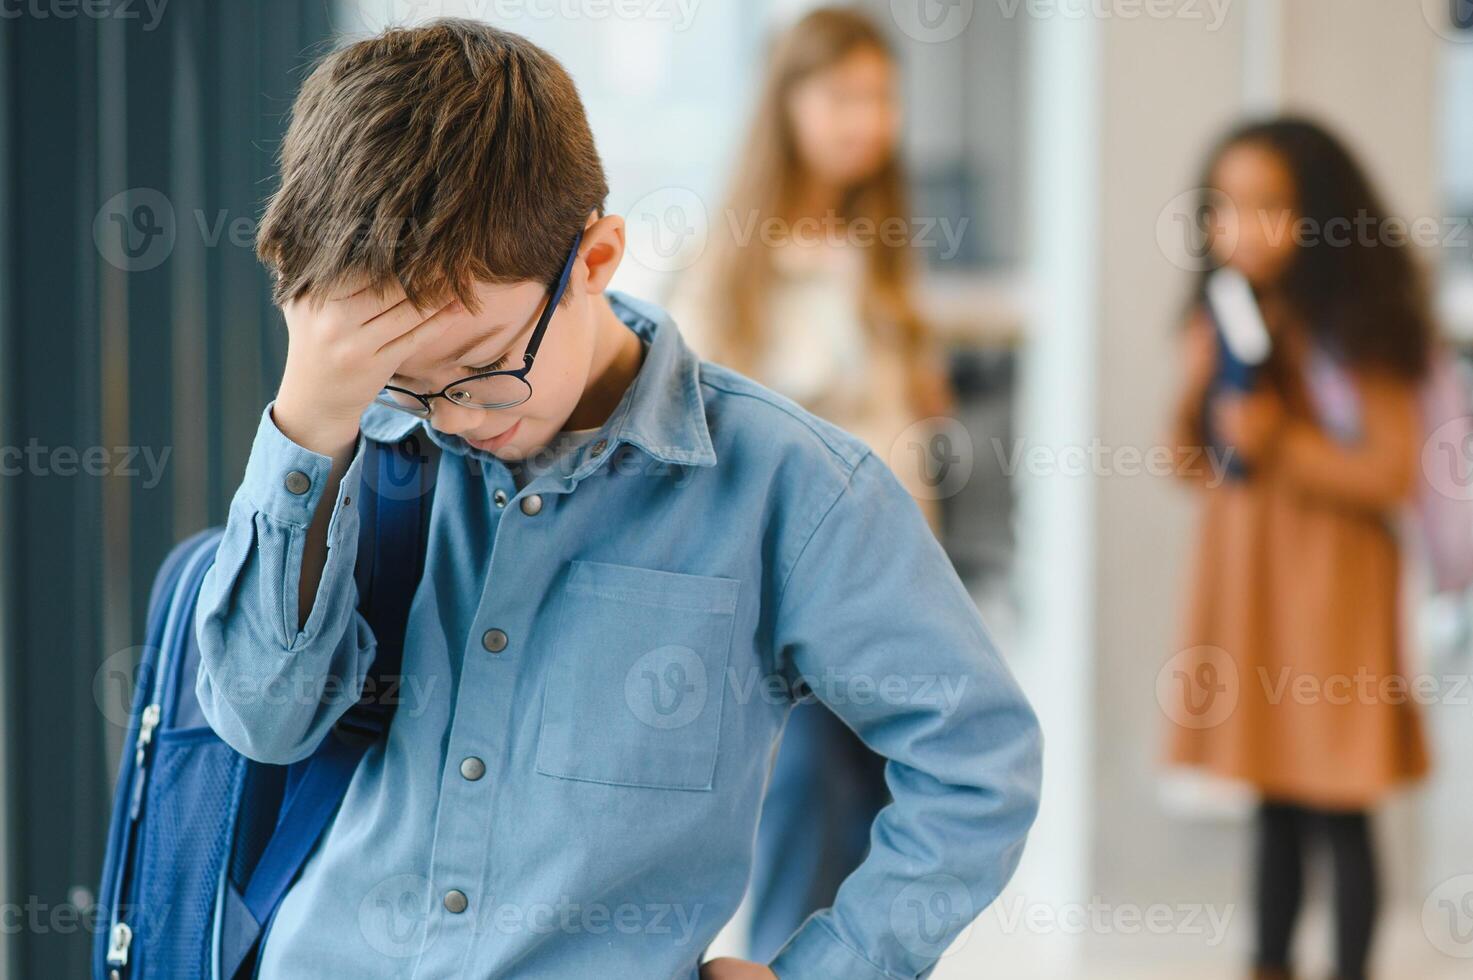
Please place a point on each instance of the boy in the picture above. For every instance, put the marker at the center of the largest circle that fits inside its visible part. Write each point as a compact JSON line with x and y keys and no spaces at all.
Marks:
{"x":637,"y":561}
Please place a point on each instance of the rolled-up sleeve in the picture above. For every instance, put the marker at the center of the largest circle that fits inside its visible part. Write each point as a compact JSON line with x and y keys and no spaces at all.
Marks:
{"x":874,"y":620}
{"x":268,"y":688}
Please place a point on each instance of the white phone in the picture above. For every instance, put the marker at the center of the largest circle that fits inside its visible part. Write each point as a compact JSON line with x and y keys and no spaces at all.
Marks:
{"x":1236,"y":310}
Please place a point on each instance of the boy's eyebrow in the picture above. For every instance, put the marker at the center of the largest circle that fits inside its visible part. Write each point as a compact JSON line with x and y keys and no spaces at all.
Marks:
{"x":466,"y":348}
{"x":475,"y":342}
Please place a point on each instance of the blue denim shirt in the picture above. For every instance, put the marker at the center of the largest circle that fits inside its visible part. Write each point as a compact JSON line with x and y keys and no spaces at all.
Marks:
{"x":597,"y":668}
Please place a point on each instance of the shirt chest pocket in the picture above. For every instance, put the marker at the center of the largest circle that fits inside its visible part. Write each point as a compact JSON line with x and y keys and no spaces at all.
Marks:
{"x":635,"y":688}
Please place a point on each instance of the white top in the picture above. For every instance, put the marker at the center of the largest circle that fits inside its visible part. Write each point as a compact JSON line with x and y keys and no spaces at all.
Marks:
{"x":819,"y":351}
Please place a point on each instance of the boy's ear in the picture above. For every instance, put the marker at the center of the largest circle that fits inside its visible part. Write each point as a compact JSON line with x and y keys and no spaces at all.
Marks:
{"x":602,"y":251}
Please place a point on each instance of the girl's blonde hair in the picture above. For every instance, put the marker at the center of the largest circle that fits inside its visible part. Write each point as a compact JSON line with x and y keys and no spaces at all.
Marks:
{"x":766,"y":184}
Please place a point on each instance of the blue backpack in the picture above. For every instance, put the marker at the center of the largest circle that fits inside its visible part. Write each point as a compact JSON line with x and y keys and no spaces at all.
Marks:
{"x":203,"y":842}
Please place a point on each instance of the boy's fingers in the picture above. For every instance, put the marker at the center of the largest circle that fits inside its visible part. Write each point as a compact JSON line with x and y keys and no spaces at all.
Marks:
{"x":355,"y":288}
{"x":384,"y":326}
{"x":400,"y":347}
{"x":397,"y":321}
{"x":372,"y":300}
{"x":348,"y":287}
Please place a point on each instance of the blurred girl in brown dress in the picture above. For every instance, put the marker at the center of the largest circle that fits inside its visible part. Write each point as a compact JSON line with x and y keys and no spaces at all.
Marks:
{"x":1293,"y":615}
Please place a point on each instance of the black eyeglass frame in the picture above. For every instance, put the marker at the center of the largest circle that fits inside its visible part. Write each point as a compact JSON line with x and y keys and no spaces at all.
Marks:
{"x":554,"y":298}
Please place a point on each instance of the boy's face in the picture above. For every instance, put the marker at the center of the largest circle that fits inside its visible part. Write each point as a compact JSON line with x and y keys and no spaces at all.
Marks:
{"x":496,"y":338}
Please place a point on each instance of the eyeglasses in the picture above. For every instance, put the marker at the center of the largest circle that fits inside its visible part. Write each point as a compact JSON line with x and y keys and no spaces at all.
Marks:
{"x":493,"y":389}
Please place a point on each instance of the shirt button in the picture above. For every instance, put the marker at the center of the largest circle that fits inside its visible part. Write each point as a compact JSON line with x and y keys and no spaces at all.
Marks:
{"x":455,"y":901}
{"x":472,"y":768}
{"x":532,"y":506}
{"x":598,"y":447}
{"x":298,"y":482}
{"x":499,"y":497}
{"x":494,"y":640}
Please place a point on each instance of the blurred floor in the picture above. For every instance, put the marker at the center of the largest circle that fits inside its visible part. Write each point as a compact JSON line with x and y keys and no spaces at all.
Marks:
{"x":1403,"y":953}
{"x":989,"y":950}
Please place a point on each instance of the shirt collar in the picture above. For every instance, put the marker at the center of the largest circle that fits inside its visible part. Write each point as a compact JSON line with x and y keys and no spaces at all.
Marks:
{"x":662,"y":412}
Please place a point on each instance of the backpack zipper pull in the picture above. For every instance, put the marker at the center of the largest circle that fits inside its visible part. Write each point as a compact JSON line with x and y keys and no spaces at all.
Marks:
{"x":146,"y":725}
{"x":117,"y":950}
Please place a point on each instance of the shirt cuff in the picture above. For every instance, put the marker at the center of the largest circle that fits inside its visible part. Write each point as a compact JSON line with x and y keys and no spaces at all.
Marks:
{"x":815,"y":952}
{"x":285,"y":481}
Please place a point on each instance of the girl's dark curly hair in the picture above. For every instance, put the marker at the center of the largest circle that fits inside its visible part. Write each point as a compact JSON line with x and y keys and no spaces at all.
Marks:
{"x":1354,"y":279}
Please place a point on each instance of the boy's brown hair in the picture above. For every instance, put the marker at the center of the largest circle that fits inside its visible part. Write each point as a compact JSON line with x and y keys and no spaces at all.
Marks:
{"x":439,"y":155}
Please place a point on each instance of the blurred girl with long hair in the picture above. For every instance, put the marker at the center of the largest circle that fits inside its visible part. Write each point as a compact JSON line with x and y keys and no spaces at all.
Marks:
{"x":807,"y":288}
{"x":1295,"y":599}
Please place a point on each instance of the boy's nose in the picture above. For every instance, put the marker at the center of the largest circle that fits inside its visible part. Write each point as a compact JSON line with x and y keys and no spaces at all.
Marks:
{"x":453,"y":419}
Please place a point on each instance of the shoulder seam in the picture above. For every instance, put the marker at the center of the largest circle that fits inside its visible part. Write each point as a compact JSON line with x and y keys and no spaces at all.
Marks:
{"x":782,"y":591}
{"x":850,"y":467}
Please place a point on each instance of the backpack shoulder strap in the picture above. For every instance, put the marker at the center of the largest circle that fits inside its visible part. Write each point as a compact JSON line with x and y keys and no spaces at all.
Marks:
{"x":393,"y":534}
{"x":395,"y":498}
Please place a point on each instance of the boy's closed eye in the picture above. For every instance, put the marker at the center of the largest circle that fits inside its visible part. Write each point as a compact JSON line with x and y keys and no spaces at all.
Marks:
{"x":497,"y":365}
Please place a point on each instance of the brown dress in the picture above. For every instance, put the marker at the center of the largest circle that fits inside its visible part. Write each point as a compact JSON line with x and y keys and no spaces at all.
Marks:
{"x":1289,"y":675}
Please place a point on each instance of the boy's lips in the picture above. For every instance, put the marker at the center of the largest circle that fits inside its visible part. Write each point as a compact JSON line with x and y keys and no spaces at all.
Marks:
{"x":496,"y":441}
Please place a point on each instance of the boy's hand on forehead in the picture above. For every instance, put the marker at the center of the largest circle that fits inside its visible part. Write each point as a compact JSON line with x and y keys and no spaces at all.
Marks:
{"x":344,"y":344}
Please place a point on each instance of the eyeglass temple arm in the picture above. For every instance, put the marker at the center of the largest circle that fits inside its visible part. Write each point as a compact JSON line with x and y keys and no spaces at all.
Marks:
{"x":555,"y":298}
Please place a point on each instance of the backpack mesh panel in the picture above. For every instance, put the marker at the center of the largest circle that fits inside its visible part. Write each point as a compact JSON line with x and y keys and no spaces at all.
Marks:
{"x":187,"y":814}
